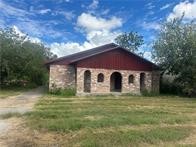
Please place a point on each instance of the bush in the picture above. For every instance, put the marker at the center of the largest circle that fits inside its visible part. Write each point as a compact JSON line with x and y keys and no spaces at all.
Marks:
{"x":169,"y":88}
{"x":18,"y":84}
{"x":189,"y":91}
{"x":168,"y":85}
{"x":149,"y":93}
{"x":63,"y":92}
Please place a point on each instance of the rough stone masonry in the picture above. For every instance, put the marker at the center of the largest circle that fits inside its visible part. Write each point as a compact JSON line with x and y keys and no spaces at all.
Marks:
{"x":67,"y":76}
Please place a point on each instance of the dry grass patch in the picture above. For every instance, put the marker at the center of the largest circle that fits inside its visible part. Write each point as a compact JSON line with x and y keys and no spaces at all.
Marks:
{"x":149,"y":135}
{"x":93,"y":118}
{"x":10,"y":114}
{"x":4,"y":93}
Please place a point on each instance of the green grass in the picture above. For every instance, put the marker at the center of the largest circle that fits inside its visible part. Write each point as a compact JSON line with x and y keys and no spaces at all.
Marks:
{"x":133,"y":137}
{"x":115,"y":121}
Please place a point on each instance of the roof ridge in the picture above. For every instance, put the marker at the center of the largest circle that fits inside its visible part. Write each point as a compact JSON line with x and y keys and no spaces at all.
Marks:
{"x":81,"y":52}
{"x":69,"y":59}
{"x":109,"y":49}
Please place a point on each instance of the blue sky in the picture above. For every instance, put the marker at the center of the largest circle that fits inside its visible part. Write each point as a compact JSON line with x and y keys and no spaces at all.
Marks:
{"x":69,"y":26}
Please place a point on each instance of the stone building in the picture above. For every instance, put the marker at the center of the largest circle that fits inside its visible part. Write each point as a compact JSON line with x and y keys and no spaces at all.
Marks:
{"x":104,"y":70}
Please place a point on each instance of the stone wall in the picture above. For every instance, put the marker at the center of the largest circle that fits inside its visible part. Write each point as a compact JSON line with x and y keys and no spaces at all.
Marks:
{"x":62,"y":76}
{"x":66,"y":76}
{"x":151,"y":81}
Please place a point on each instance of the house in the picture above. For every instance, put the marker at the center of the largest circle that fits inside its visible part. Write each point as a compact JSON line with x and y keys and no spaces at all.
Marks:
{"x":103,"y":70}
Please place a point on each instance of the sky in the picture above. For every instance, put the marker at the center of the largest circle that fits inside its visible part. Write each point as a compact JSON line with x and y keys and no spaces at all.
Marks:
{"x":70,"y":26}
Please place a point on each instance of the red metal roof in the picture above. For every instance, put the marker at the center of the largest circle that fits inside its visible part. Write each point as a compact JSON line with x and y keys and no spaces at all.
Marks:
{"x":92,"y":52}
{"x":73,"y":57}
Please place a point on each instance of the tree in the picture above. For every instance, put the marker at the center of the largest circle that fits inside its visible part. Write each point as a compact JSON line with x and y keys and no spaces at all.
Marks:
{"x":175,"y":51}
{"x":21,"y":60}
{"x":131,"y":41}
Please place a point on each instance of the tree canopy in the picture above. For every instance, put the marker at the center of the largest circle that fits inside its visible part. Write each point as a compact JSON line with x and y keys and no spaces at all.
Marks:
{"x":21,"y":60}
{"x":175,"y":51}
{"x":131,"y":41}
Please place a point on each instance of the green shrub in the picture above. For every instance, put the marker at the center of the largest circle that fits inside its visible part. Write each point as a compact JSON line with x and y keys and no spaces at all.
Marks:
{"x":149,"y":93}
{"x":63,"y":92}
{"x":174,"y":86}
{"x":169,"y":88}
{"x":18,"y":86}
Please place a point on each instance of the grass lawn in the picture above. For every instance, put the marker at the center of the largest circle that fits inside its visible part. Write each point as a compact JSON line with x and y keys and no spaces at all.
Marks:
{"x":116,"y":121}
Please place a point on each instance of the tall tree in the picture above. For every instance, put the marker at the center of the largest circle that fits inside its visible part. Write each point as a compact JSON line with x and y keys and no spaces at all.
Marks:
{"x":20,"y":59}
{"x":175,"y":51}
{"x":131,"y":41}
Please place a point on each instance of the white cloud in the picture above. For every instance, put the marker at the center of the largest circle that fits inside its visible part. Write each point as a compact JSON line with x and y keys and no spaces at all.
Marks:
{"x":93,"y":39}
{"x":21,"y":35}
{"x":33,"y":27}
{"x":90,"y":22}
{"x":150,"y":13}
{"x":62,"y":49}
{"x":150,"y":25}
{"x":150,"y":5}
{"x":97,"y":38}
{"x":61,"y":1}
{"x":39,"y":28}
{"x":148,"y":55}
{"x":44,"y":11}
{"x":35,"y":40}
{"x":69,"y":15}
{"x":98,"y":31}
{"x":8,"y":10}
{"x":188,"y":8}
{"x":165,"y":6}
{"x":145,"y":49}
{"x":105,"y":12}
{"x":94,"y":4}
{"x":17,"y":31}
{"x":23,"y":19}
{"x":41,"y":11}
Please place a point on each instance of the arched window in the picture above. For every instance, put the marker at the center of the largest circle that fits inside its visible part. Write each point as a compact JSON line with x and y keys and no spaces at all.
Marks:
{"x":100,"y":77}
{"x":131,"y":79}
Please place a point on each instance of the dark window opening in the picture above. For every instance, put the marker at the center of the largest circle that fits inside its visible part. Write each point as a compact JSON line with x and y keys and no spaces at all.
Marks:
{"x":100,"y":77}
{"x":87,"y":81}
{"x":116,"y":82}
{"x":131,"y":79}
{"x":142,"y":82}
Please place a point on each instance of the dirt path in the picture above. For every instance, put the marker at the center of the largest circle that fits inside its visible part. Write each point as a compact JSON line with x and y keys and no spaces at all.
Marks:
{"x":16,"y":104}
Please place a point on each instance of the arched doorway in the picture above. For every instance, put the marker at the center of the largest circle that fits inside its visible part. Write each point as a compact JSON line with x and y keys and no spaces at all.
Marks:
{"x":87,"y":81}
{"x":142,"y":82}
{"x":116,"y":82}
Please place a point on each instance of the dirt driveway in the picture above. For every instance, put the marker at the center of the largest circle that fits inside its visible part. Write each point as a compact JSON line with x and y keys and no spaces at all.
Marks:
{"x":16,"y":104}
